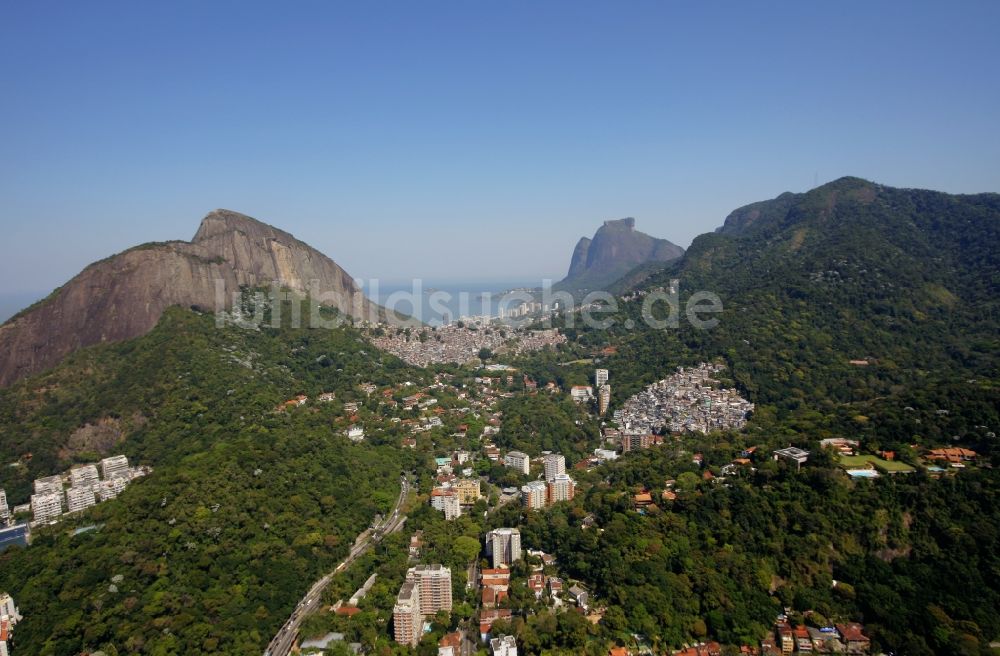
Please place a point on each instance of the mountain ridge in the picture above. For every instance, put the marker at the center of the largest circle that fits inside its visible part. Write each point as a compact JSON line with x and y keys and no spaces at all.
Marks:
{"x":124,"y":295}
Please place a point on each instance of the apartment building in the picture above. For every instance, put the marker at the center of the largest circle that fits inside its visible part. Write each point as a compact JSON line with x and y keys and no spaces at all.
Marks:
{"x":603,"y":398}
{"x":504,"y":545}
{"x":600,"y":378}
{"x":111,"y":489}
{"x":434,"y":587}
{"x":518,"y":461}
{"x":84,"y":476}
{"x":581,"y":393}
{"x":468,"y":491}
{"x":48,"y":485}
{"x":46,"y":506}
{"x":534,"y":495}
{"x":561,"y":488}
{"x":115,"y":467}
{"x":446,"y":500}
{"x":555,"y":464}
{"x":636,"y":441}
{"x":505,"y":645}
{"x":4,"y":509}
{"x":78,"y":498}
{"x":427,"y":590}
{"x":407,"y":620}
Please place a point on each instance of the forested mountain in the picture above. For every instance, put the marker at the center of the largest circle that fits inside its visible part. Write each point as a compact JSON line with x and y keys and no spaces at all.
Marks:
{"x":903,"y":280}
{"x":853,"y":310}
{"x":245,"y":505}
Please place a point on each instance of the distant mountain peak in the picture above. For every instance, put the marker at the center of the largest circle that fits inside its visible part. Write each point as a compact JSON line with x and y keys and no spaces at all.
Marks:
{"x":616,"y":248}
{"x":627,"y":223}
{"x":222,"y":221}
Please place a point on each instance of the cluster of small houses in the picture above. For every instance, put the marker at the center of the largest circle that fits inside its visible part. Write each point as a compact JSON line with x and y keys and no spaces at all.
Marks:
{"x":459,"y":344}
{"x":688,"y":401}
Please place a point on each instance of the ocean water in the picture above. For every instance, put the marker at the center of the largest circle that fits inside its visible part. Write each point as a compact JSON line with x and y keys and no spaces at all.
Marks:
{"x":437,"y":303}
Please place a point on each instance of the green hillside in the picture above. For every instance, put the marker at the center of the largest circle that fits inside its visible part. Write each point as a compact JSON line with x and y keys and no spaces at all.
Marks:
{"x":244,"y":508}
{"x":905,"y":280}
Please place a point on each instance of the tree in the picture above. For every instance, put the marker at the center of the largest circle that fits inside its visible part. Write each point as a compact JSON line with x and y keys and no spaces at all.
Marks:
{"x":465,"y":548}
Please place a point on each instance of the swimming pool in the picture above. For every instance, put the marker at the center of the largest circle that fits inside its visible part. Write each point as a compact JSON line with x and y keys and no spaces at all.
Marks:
{"x":863,"y":473}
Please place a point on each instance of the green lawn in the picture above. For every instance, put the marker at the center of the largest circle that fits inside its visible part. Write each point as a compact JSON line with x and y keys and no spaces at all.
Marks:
{"x":858,"y":462}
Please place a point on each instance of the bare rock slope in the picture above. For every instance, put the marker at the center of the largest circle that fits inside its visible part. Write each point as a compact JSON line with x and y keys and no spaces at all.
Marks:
{"x":124,"y":296}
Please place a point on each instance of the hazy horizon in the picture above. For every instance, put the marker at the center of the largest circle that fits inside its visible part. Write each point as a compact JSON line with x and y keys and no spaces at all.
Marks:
{"x":467,"y":142}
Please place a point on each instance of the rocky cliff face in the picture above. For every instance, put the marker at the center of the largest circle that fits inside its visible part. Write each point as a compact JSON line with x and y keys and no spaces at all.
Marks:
{"x":578,"y":265}
{"x":617,"y":248}
{"x":123,"y":296}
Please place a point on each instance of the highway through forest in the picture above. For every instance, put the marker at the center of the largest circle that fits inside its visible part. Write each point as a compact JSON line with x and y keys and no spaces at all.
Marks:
{"x":281,"y":644}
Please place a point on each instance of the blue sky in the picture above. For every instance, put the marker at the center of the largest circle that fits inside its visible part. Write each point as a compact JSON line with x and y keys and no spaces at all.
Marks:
{"x":468,"y":140}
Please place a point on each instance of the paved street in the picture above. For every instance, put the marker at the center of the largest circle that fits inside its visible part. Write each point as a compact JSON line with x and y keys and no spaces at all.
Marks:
{"x":282,"y":643}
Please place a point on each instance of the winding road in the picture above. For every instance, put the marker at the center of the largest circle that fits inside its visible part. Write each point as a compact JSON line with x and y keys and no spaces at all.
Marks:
{"x":281,"y":644}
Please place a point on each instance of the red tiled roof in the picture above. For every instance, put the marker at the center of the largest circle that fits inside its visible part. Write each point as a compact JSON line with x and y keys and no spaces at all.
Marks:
{"x":852,"y":632}
{"x":450,"y":640}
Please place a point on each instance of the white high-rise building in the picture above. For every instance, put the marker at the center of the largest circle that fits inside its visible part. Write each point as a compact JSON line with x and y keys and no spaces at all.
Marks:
{"x":49,"y":485}
{"x":46,"y":506}
{"x":446,"y":501}
{"x":534,"y":495}
{"x":600,"y":377}
{"x":115,"y":467}
{"x":504,"y":545}
{"x":561,"y":488}
{"x":84,"y":476}
{"x":78,"y":498}
{"x":555,"y":464}
{"x":4,"y":510}
{"x":518,"y":460}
